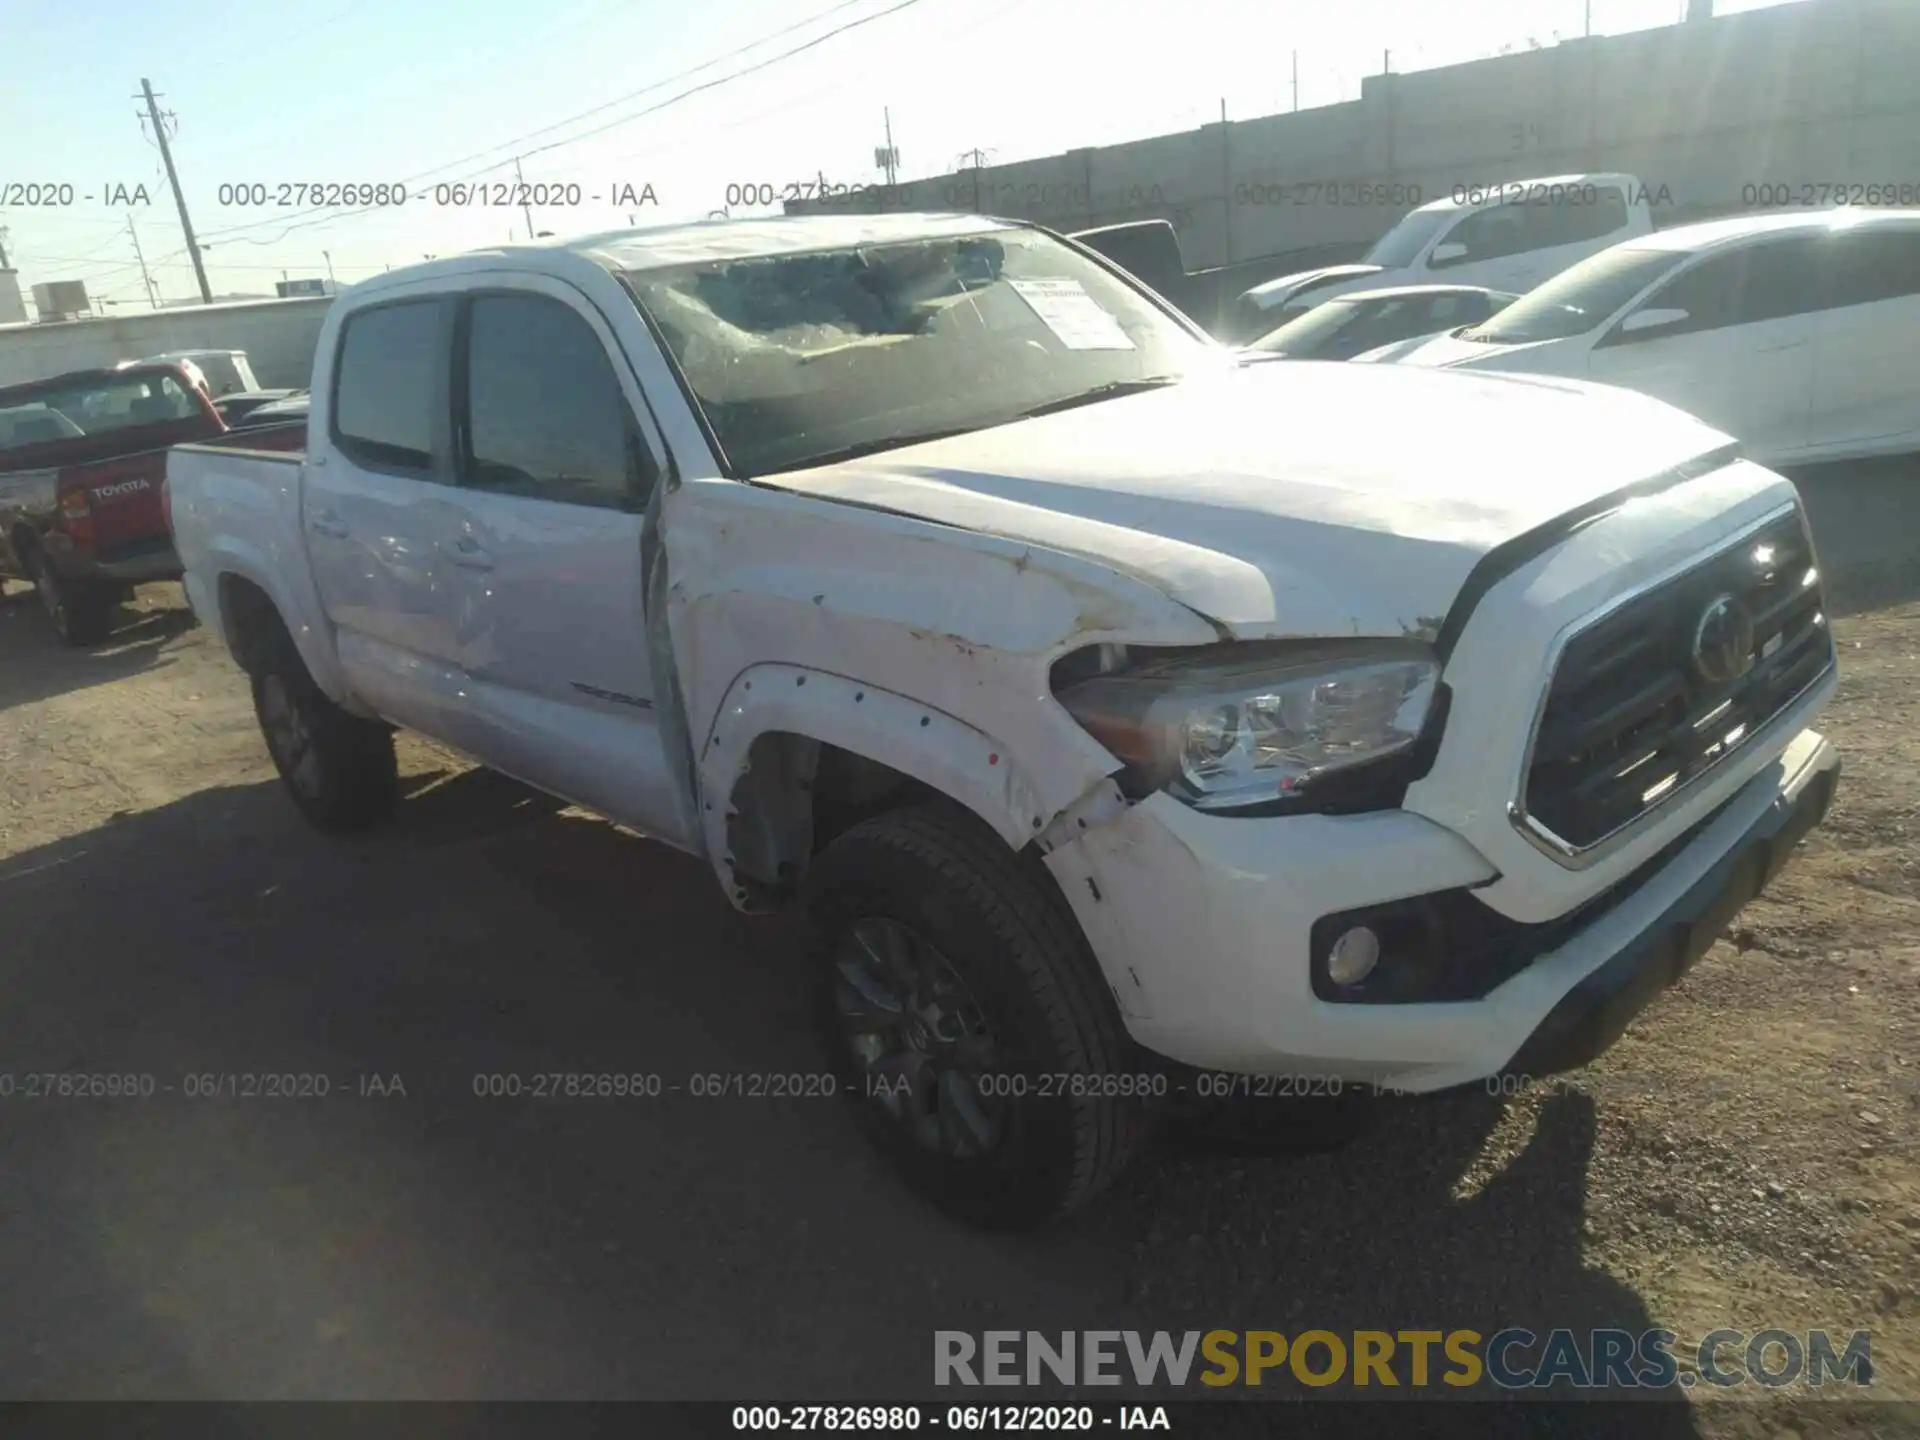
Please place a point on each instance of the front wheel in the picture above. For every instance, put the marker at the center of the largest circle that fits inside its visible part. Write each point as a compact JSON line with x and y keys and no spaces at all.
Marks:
{"x":81,"y":614}
{"x":966,"y":1020}
{"x":340,"y":769}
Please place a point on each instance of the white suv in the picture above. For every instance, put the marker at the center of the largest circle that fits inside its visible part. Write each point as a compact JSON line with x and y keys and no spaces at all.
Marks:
{"x":1798,"y":334}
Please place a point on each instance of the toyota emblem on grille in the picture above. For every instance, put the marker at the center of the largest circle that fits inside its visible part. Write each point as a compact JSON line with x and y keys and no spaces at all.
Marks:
{"x":1723,"y":641}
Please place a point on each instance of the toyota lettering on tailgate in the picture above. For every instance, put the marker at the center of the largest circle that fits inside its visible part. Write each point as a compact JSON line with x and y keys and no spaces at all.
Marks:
{"x":124,"y":487}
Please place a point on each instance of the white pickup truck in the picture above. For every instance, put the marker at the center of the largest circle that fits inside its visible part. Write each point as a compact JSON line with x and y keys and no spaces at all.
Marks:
{"x":1125,"y":720}
{"x":1510,"y":235}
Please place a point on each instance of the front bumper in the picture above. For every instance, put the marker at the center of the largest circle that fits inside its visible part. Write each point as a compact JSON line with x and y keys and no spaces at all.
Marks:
{"x":1592,"y":1015}
{"x":1202,"y":923}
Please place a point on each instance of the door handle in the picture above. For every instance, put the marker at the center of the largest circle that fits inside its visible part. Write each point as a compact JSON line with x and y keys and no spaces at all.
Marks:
{"x":1781,"y":349}
{"x":466,"y":552}
{"x":328,"y":523}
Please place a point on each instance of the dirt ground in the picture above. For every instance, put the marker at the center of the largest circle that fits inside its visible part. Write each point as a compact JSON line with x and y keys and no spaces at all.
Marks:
{"x":1744,"y":1158}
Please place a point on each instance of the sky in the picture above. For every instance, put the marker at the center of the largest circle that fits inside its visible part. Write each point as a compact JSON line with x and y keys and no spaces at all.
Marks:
{"x":260,"y":98}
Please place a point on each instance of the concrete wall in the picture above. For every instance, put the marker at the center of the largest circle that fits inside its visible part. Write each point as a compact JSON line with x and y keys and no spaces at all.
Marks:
{"x":278,"y":335}
{"x":1821,"y":92}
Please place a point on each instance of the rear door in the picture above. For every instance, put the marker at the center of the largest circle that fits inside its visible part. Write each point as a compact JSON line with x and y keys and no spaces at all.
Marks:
{"x":556,"y":458}
{"x":378,"y":503}
{"x":1866,"y":354}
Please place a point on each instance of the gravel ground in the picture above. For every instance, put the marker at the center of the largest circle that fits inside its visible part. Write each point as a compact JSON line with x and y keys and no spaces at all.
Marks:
{"x":1743,"y":1158}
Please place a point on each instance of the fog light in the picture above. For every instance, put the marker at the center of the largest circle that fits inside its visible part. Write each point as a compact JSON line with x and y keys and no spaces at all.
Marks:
{"x":1353,"y":956}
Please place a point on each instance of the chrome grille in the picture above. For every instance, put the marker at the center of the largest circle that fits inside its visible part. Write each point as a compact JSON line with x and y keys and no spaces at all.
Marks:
{"x":1657,"y":692}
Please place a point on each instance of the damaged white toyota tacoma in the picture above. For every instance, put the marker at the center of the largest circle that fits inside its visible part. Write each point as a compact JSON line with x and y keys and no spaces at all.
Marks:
{"x":1136,"y":727}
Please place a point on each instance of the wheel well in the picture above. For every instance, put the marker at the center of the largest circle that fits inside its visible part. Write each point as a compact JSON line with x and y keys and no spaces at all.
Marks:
{"x":250,"y":620}
{"x":794,"y":796}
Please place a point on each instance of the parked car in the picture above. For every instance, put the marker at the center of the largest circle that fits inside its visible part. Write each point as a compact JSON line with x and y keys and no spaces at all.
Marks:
{"x":82,"y":466}
{"x":235,"y":408}
{"x":281,"y":425}
{"x":1149,"y":250}
{"x":1508,"y":236}
{"x":1349,"y":325}
{"x":1797,"y":333}
{"x":1115,"y":741}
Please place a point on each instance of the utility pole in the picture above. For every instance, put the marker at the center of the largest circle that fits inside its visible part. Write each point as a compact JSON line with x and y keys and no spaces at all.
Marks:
{"x":525,"y":209}
{"x":1296,"y":82}
{"x":145,"y":279}
{"x":327,"y":256}
{"x":173,"y":179}
{"x":889,"y":158}
{"x":3,"y":248}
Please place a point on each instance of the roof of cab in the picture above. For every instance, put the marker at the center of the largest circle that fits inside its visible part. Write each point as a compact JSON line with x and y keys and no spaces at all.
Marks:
{"x":698,"y":242}
{"x":1492,"y":192}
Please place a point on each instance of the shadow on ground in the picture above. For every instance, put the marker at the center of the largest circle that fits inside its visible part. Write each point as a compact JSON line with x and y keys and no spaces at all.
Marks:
{"x":39,"y":665}
{"x":404,"y":1236}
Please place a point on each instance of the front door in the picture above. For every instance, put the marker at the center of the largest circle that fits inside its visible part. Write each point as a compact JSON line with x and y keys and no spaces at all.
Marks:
{"x":555,"y":468}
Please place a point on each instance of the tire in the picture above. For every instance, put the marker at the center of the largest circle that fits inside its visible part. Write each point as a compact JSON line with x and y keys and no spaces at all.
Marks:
{"x":339,"y":769}
{"x":1030,"y":1004}
{"x":81,"y":614}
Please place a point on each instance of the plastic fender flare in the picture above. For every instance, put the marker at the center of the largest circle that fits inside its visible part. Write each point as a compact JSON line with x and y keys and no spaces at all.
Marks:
{"x":963,"y":763}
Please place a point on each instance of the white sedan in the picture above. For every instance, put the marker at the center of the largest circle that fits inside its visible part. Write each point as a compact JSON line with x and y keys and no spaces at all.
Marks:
{"x":1798,"y":334}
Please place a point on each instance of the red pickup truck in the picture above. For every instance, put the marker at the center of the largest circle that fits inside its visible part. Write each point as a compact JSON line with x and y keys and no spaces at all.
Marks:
{"x":82,"y":486}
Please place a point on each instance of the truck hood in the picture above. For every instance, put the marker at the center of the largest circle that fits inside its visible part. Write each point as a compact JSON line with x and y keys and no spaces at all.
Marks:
{"x":1272,"y":294}
{"x":1312,"y":499}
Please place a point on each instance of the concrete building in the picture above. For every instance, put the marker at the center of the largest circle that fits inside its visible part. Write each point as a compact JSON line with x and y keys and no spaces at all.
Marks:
{"x":1706,"y":113}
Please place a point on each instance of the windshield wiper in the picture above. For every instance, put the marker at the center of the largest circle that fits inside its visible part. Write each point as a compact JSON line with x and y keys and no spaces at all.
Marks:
{"x":873,"y":447}
{"x":1112,"y":390}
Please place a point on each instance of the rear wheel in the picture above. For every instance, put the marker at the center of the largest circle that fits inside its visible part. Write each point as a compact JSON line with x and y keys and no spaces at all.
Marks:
{"x":81,"y":614}
{"x":966,"y":1021}
{"x":340,"y":769}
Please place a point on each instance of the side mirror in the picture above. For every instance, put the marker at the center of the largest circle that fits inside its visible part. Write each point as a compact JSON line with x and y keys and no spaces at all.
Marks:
{"x":1651,"y":320}
{"x":1446,"y":251}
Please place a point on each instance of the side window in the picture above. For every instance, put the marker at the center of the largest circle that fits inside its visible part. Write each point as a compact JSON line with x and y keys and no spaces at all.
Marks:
{"x":1709,"y":293}
{"x":545,"y":416}
{"x":386,"y":385}
{"x":1876,"y":264}
{"x":1488,"y":234}
{"x":1784,"y":278}
{"x":1571,"y":222}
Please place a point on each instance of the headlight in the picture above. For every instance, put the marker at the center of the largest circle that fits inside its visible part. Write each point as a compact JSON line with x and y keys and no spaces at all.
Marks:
{"x":1260,"y":723}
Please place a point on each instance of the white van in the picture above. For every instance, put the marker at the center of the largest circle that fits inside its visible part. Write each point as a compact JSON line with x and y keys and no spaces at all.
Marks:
{"x":1507,"y":236}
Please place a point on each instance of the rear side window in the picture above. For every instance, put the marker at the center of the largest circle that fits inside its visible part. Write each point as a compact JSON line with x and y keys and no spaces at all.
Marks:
{"x":386,"y":385}
{"x":1872,"y":265}
{"x":1489,"y":234}
{"x":1586,"y":215}
{"x":545,"y":416}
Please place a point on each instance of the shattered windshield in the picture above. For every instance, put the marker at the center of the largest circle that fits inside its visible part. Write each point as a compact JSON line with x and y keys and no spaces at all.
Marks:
{"x":801,"y":359}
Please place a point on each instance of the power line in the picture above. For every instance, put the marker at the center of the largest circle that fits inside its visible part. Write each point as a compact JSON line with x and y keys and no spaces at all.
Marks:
{"x":305,"y":219}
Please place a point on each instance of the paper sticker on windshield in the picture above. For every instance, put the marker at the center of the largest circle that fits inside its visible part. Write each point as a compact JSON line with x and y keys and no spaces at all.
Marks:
{"x":1074,"y":316}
